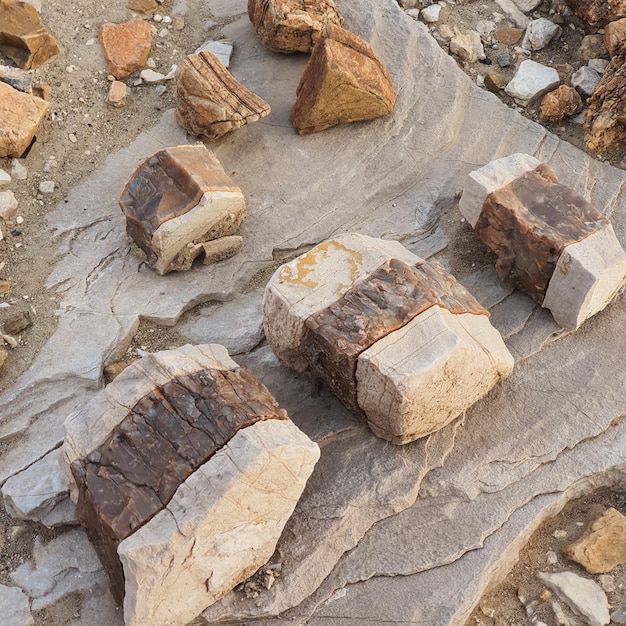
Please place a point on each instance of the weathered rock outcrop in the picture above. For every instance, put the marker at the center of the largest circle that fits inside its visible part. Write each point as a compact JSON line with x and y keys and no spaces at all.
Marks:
{"x":343,"y":82}
{"x":599,"y":11}
{"x":291,"y":25}
{"x":23,"y":37}
{"x":364,"y":320}
{"x":210,"y":102}
{"x":185,"y":471}
{"x":180,"y":203}
{"x":126,"y":47}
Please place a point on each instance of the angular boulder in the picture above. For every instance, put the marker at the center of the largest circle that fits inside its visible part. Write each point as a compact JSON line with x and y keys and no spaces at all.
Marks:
{"x":598,"y":11}
{"x":23,"y":38}
{"x":550,"y":242}
{"x":531,"y":81}
{"x":210,"y":102}
{"x":185,"y":472}
{"x":20,"y":117}
{"x":291,"y":25}
{"x":125,"y":47}
{"x":361,"y":313}
{"x":344,"y":81}
{"x":179,"y":203}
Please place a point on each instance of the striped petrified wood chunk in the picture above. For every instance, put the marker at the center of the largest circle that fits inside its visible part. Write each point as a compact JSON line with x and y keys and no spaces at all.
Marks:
{"x":550,"y":242}
{"x":185,"y":471}
{"x":335,"y":307}
{"x":179,"y":203}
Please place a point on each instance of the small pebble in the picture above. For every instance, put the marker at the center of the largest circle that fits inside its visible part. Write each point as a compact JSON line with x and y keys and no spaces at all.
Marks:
{"x":5,"y":178}
{"x":47,"y":186}
{"x":178,"y":23}
{"x":18,"y":171}
{"x":157,"y":17}
{"x":90,"y":42}
{"x":72,"y":137}
{"x":160,"y":90}
{"x":164,"y":32}
{"x":559,"y":534}
{"x":167,"y":19}
{"x":607,"y":582}
{"x":151,"y":63}
{"x":19,"y":219}
{"x":503,"y":60}
{"x":551,"y":557}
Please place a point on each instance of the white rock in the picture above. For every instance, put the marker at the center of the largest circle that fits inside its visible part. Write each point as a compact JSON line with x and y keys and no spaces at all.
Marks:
{"x":15,"y":607}
{"x":587,"y":276}
{"x":485,"y":28}
{"x":599,"y":65}
{"x":150,"y":76}
{"x":47,"y":186}
{"x":410,"y":386}
{"x":539,"y":33}
{"x":585,"y":80}
{"x":171,"y":73}
{"x":414,"y":13}
{"x":430,"y":14}
{"x":222,"y":524}
{"x":314,"y":281}
{"x":222,"y":49}
{"x":18,"y":171}
{"x":5,"y":178}
{"x":468,"y":46}
{"x":527,"y":5}
{"x":531,"y":81}
{"x":551,"y":557}
{"x":8,"y":204}
{"x":40,"y":493}
{"x":583,"y":596}
{"x":513,"y":13}
{"x":494,"y":175}
{"x":151,"y":63}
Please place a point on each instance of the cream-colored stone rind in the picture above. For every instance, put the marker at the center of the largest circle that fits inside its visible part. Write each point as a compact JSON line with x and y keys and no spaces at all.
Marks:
{"x":588,"y":275}
{"x":222,"y":524}
{"x":485,"y":180}
{"x":417,"y":379}
{"x":316,"y":280}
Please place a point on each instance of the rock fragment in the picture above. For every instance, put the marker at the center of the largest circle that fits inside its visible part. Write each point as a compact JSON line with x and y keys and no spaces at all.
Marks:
{"x":222,"y":49}
{"x":550,"y":242}
{"x":5,"y":178}
{"x":20,"y":117}
{"x":615,"y":36}
{"x":431,"y":13}
{"x":370,"y":337}
{"x":603,"y":545}
{"x":539,"y":33}
{"x":147,"y":7}
{"x":559,"y":104}
{"x":125,"y":47}
{"x":18,"y":323}
{"x":4,"y":355}
{"x":508,"y":36}
{"x":585,"y":80}
{"x":23,"y":38}
{"x":598,"y":11}
{"x":513,"y":13}
{"x":592,"y":47}
{"x":47,"y":186}
{"x":583,"y":596}
{"x":494,"y":82}
{"x":15,"y":606}
{"x":532,"y":81}
{"x":291,"y":25}
{"x":210,"y":102}
{"x":117,"y":94}
{"x":16,"y":78}
{"x":8,"y":204}
{"x":468,"y":47}
{"x":344,"y":81}
{"x":178,"y":204}
{"x":18,"y":171}
{"x":213,"y":469}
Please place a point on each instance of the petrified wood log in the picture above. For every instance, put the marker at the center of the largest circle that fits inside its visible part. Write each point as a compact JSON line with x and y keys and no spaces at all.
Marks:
{"x":598,"y":11}
{"x":605,"y":119}
{"x":291,"y":25}
{"x":335,"y":307}
{"x":153,"y":432}
{"x":23,"y":37}
{"x":344,"y":81}
{"x":209,"y":101}
{"x":178,"y":203}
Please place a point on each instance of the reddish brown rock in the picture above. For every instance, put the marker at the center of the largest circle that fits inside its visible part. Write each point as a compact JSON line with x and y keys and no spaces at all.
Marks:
{"x":210,"y":102}
{"x":291,"y":25}
{"x":508,"y":36}
{"x":142,"y":6}
{"x":117,"y":94}
{"x":598,"y":11}
{"x":343,"y":82}
{"x":494,"y":82}
{"x":605,"y":119}
{"x":113,"y":370}
{"x":20,"y":117}
{"x":125,"y":47}
{"x":23,"y":37}
{"x":559,"y":104}
{"x":615,"y":36}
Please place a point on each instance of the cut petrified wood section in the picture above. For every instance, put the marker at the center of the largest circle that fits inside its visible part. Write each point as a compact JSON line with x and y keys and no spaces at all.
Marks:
{"x":176,"y":201}
{"x":291,"y":25}
{"x":344,"y":81}
{"x":417,"y":379}
{"x":605,"y":119}
{"x":210,"y":102}
{"x":23,"y":37}
{"x":529,"y":222}
{"x":598,"y":11}
{"x":385,"y":301}
{"x":316,"y":280}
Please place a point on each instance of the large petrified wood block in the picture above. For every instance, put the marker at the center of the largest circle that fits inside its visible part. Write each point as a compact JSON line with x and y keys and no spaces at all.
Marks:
{"x":210,"y":102}
{"x":344,"y":81}
{"x":291,"y":25}
{"x":23,"y":37}
{"x":550,"y":242}
{"x":360,"y":313}
{"x":185,"y":471}
{"x":180,"y":203}
{"x":598,"y":11}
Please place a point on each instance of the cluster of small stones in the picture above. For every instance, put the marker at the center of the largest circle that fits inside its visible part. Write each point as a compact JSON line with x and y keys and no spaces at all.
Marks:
{"x":595,"y":90}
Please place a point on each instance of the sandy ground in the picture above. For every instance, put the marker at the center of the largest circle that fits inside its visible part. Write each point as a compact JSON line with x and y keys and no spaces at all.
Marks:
{"x":82,"y":130}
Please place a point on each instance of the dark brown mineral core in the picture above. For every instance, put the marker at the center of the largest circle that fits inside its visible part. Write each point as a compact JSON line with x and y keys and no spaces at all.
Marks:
{"x":166,"y":437}
{"x":384,"y":302}
{"x":529,"y":222}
